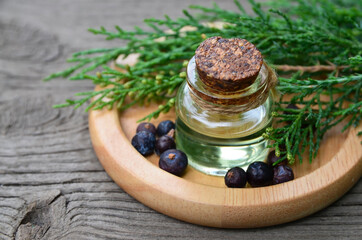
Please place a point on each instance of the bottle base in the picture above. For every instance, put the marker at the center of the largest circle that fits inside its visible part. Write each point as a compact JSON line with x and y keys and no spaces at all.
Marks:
{"x":222,"y":169}
{"x":215,"y":156}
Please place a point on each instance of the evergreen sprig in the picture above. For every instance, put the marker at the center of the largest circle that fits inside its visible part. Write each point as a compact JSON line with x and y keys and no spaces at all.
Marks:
{"x":315,"y":39}
{"x":324,"y":108}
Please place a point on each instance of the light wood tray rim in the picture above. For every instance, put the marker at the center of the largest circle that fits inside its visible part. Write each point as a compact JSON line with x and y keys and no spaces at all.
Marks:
{"x":296,"y":199}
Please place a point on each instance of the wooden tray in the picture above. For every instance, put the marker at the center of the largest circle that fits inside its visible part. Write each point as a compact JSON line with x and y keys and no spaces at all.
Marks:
{"x":202,"y":199}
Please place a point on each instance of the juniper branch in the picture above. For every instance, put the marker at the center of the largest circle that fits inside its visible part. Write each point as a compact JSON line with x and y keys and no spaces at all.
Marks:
{"x":308,"y":36}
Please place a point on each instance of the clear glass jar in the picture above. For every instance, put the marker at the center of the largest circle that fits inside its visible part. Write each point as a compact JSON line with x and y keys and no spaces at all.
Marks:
{"x":220,"y":130}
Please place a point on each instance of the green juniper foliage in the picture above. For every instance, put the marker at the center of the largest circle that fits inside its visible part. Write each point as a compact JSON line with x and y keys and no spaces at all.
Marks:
{"x":303,"y":39}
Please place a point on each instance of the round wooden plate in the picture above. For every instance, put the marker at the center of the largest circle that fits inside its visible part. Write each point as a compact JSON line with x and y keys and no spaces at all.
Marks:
{"x":202,"y":199}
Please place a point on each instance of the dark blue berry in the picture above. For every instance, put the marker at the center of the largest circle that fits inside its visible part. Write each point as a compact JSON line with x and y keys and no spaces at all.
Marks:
{"x":305,"y":122}
{"x":291,"y":106}
{"x":164,"y":143}
{"x":235,"y":178}
{"x":272,"y":158}
{"x":259,"y":174}
{"x":164,"y":127}
{"x":282,"y":147}
{"x":146,"y":126}
{"x":144,"y":142}
{"x":282,"y":174}
{"x":173,"y":161}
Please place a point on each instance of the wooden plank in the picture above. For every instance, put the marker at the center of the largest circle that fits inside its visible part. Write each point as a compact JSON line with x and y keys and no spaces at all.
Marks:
{"x":51,"y":184}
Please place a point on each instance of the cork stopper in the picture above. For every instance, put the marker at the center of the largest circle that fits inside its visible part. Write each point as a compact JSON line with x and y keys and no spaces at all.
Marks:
{"x":227,"y":65}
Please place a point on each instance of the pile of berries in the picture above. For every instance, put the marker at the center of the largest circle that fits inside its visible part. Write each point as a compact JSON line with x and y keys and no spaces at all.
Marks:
{"x":260,"y":174}
{"x":171,"y":159}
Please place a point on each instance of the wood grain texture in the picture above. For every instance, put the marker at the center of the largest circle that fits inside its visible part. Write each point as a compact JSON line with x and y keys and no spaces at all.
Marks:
{"x":51,"y":183}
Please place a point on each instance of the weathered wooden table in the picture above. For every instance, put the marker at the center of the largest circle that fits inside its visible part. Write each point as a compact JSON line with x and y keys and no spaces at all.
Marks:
{"x":51,"y":183}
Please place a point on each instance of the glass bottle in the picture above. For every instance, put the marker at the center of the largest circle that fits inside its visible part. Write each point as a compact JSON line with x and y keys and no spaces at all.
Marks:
{"x":220,"y":126}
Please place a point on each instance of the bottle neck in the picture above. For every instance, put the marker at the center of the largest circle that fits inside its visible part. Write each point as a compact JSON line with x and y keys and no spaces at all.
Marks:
{"x":240,"y":101}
